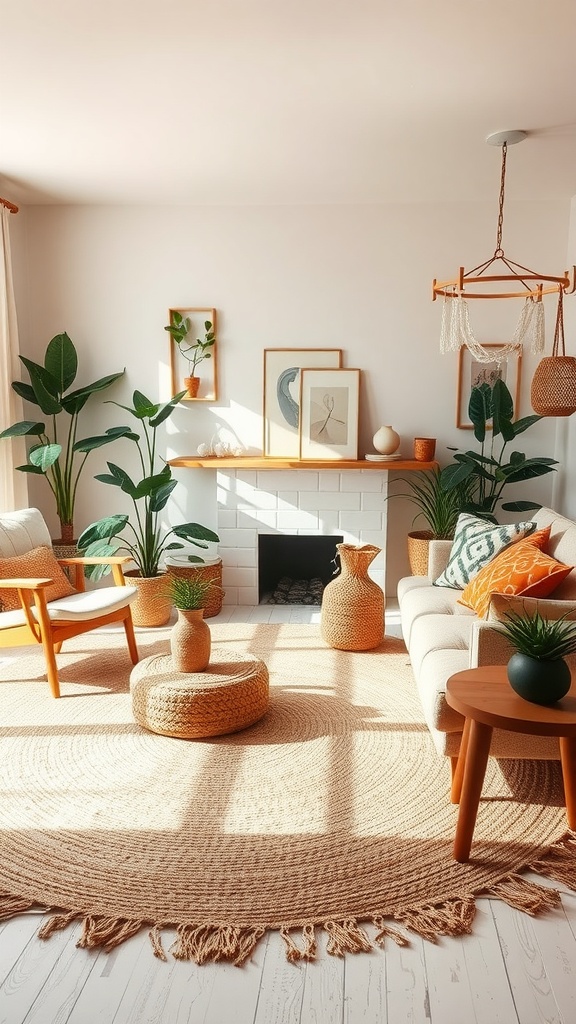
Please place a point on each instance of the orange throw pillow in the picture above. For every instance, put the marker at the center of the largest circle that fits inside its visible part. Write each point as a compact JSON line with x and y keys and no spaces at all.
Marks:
{"x":522,"y":569}
{"x":39,"y":563}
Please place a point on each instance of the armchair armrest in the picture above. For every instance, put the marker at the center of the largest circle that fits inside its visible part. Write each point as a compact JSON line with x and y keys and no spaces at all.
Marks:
{"x":78,"y":562}
{"x":25,"y":584}
{"x":548,"y":607}
{"x":438,"y":554}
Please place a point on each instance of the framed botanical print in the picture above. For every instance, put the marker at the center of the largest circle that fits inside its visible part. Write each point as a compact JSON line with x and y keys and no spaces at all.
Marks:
{"x":329,"y":403}
{"x":282,"y":368}
{"x":472,"y":373}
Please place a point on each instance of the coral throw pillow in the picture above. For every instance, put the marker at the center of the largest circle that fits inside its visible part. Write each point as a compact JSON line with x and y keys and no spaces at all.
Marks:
{"x":522,"y":570}
{"x":40,"y":563}
{"x":476,"y":542}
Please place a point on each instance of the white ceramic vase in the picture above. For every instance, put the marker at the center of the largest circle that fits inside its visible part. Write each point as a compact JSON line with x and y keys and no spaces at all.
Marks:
{"x":386,"y":440}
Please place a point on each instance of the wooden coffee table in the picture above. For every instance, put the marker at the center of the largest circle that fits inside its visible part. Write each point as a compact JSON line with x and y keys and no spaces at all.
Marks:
{"x":487,"y":701}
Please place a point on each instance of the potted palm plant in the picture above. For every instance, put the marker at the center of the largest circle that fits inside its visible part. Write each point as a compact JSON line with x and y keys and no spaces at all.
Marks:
{"x":438,"y":509}
{"x":144,"y":538}
{"x":58,"y":454}
{"x":489,"y":471}
{"x":194,"y":352}
{"x":538,"y":671}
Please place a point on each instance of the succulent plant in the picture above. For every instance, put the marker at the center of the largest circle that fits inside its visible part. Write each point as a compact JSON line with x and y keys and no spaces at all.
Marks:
{"x":540,"y":638}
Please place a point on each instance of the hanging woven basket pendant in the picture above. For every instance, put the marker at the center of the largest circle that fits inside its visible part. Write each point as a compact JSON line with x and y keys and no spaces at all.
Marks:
{"x":553,"y":389}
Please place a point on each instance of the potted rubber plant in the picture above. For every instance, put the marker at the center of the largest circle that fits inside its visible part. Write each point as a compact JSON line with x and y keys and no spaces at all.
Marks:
{"x":144,"y":537}
{"x":489,"y":471}
{"x":194,"y":352}
{"x":538,"y":671}
{"x":57,"y":453}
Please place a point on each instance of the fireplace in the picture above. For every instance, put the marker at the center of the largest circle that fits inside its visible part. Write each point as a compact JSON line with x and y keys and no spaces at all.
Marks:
{"x":328,"y":504}
{"x":294,"y":569}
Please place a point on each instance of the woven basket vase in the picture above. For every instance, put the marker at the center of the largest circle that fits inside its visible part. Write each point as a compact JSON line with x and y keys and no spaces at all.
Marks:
{"x":352,"y":613}
{"x":190,"y":641}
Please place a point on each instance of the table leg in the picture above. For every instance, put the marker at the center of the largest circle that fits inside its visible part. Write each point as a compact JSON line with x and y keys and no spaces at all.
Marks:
{"x":474,"y":771}
{"x":568,"y":759}
{"x":456,"y":790}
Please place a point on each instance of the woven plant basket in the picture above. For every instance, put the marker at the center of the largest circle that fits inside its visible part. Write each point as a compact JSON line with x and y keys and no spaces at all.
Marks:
{"x":418,"y":545}
{"x":352,"y":613}
{"x":553,"y":390}
{"x":211,"y":572}
{"x":152,"y":606}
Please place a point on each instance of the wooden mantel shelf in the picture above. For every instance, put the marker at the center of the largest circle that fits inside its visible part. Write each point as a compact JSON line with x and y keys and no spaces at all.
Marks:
{"x":242,"y":462}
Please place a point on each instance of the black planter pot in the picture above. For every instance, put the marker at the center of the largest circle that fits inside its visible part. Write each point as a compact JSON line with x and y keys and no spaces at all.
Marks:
{"x":540,"y":682}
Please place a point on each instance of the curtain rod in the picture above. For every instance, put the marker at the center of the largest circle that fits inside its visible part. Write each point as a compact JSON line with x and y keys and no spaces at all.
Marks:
{"x":9,"y":206}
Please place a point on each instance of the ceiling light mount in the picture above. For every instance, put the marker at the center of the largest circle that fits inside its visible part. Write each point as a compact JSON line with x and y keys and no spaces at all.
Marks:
{"x":510,"y":138}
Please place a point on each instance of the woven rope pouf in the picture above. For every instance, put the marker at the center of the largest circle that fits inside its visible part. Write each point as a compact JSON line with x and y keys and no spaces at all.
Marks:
{"x":231,"y":694}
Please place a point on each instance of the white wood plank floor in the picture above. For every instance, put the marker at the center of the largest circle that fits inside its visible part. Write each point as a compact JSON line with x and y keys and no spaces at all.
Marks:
{"x":512,"y":970}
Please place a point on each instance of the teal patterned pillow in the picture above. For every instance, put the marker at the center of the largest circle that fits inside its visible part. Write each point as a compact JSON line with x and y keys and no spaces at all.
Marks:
{"x":477,"y":542}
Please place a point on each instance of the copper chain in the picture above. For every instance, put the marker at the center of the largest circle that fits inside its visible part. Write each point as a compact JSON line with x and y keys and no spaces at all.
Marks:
{"x":499,"y":250}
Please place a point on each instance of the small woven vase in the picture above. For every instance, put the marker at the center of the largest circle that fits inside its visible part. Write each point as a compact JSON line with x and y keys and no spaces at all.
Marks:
{"x":190,"y":641}
{"x":352,"y":613}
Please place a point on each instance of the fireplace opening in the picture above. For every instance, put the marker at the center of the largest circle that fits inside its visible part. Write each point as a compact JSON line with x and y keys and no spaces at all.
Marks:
{"x":295,"y":569}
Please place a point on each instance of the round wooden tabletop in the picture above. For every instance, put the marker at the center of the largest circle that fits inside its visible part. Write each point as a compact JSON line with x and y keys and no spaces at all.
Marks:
{"x":485,"y":695}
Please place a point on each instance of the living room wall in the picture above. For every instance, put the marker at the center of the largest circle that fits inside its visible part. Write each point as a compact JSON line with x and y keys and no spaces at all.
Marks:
{"x":357,"y":278}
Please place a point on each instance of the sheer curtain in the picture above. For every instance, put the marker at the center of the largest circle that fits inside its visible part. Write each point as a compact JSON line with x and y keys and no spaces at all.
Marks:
{"x":13,"y":486}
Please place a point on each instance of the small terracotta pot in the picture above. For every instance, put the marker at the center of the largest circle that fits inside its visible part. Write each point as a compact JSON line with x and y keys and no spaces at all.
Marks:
{"x":192,"y":384}
{"x":424,"y":448}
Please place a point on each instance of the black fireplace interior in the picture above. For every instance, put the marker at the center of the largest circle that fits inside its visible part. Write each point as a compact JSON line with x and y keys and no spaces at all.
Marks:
{"x":295,"y":569}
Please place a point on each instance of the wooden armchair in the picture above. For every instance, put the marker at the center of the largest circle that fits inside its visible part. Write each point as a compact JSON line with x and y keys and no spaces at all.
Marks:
{"x":46,"y":607}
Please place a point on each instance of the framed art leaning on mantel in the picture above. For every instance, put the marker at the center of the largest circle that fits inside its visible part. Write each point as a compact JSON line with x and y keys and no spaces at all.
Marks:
{"x":193,"y":357}
{"x":329,"y":404}
{"x":282,"y":368}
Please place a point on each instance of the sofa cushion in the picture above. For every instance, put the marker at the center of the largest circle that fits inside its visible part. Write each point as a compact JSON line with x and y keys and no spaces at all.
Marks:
{"x":522,"y":569}
{"x":476,"y":542}
{"x":39,"y":563}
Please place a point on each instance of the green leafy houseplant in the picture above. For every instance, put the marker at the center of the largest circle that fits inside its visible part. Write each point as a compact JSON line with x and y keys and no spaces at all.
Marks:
{"x":58,"y":454}
{"x":437,"y":506}
{"x":490,"y":470}
{"x":538,"y":671}
{"x":188,"y":593}
{"x":144,"y":539}
{"x":194,"y":352}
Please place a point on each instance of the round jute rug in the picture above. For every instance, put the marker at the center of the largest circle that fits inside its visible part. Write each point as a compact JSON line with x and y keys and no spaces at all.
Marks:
{"x":332,"y":812}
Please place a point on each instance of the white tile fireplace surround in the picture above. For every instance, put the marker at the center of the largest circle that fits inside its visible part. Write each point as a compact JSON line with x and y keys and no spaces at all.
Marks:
{"x":327,"y":502}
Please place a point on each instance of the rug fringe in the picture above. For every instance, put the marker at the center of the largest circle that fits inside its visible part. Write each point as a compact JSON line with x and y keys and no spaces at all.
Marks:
{"x":156,"y":940}
{"x":293,"y":952}
{"x":385,"y":932}
{"x":524,"y":895}
{"x":11,"y":906}
{"x":56,"y":923}
{"x":106,"y":932}
{"x":559,"y":862}
{"x":215,"y":942}
{"x":346,"y":937}
{"x":453,"y":917}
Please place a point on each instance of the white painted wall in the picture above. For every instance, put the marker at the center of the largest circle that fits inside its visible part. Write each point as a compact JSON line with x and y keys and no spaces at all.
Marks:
{"x":354,"y":277}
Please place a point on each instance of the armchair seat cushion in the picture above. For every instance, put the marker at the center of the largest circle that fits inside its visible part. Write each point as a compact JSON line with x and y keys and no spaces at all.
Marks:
{"x":77,"y":607}
{"x":37,"y":563}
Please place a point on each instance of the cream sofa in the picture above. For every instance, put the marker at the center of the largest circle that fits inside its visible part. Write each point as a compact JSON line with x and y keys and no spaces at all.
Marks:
{"x":443,"y":637}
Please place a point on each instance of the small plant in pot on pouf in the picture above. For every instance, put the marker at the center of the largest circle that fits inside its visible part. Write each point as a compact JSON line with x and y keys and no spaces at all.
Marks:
{"x":145,"y":539}
{"x":190,"y":639}
{"x":538,"y":671}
